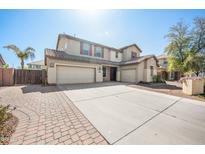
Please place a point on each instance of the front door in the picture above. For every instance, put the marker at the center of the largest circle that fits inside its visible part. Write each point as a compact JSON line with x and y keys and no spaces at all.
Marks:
{"x":113,"y":71}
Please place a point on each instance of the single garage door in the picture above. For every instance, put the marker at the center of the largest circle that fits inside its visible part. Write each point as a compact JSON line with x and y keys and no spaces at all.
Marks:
{"x":128,"y":75}
{"x":69,"y":74}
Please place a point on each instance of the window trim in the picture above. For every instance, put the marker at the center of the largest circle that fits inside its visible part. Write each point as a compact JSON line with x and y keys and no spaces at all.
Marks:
{"x":82,"y":50}
{"x":133,"y":53}
{"x":116,"y":54}
{"x":102,"y":52}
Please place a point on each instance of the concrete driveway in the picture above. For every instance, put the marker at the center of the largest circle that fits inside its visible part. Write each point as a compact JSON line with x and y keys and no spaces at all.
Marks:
{"x":126,"y":115}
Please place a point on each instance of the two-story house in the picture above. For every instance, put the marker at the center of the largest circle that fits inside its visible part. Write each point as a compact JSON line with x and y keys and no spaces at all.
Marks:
{"x":77,"y":60}
{"x":36,"y":65}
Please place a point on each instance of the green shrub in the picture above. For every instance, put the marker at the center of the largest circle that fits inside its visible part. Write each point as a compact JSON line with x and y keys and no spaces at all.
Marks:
{"x":7,"y":123}
{"x":5,"y":115}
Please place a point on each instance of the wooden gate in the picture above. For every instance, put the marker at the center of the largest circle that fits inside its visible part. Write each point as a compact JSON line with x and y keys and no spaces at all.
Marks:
{"x":27,"y":76}
{"x":6,"y":76}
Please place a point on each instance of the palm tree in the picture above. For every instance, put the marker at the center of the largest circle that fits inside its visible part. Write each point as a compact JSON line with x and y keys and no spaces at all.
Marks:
{"x":22,"y":55}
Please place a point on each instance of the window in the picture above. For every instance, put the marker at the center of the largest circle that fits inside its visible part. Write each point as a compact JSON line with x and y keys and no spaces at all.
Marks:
{"x":104,"y":71}
{"x":85,"y":49}
{"x":134,"y":55}
{"x":98,"y":51}
{"x":151,"y":70}
{"x":116,"y":54}
{"x":65,"y":45}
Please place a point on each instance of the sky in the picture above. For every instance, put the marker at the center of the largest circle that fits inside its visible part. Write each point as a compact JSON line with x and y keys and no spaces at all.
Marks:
{"x":116,"y":28}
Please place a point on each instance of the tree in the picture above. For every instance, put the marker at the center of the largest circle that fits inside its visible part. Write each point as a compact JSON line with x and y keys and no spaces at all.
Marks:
{"x":195,"y":63}
{"x":179,"y":41}
{"x":196,"y":59}
{"x":186,"y":48}
{"x":198,"y":36}
{"x":29,"y":52}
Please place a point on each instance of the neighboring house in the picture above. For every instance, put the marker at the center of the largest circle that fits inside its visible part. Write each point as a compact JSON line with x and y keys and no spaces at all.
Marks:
{"x":163,"y":69}
{"x":36,"y":65}
{"x":2,"y":62}
{"x":77,"y":60}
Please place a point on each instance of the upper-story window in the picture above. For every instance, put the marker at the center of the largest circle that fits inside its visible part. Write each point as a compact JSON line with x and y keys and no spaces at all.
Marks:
{"x":134,"y":55}
{"x":116,"y":54}
{"x":85,"y":49}
{"x":98,"y":51}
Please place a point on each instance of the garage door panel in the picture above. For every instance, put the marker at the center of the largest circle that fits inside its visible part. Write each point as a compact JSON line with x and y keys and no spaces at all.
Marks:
{"x":128,"y":75}
{"x":69,"y":75}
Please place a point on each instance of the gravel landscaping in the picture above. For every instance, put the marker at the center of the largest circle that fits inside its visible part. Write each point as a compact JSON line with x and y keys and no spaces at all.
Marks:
{"x":171,"y":88}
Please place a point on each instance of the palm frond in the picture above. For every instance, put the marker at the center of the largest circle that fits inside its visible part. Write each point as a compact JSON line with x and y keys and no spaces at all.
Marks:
{"x":14,"y":48}
{"x":29,"y":52}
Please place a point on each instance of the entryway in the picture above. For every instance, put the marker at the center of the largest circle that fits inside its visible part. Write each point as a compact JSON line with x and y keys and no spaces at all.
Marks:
{"x":113,"y":71}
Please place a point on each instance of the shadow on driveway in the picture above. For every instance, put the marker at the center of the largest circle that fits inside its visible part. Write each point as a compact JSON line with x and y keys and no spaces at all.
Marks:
{"x":48,"y":89}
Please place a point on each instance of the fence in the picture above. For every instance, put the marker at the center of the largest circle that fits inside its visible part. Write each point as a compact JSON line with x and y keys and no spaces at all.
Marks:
{"x":28,"y":76}
{"x":12,"y":76}
{"x":6,"y":76}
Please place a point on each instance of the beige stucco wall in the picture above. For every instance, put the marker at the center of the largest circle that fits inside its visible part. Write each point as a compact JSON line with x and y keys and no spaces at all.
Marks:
{"x":140,"y":72}
{"x":52,"y":70}
{"x":73,"y":46}
{"x":118,"y":74}
{"x":106,"y":54}
{"x":193,"y":87}
{"x":150,"y":62}
{"x":113,"y":56}
{"x":107,"y":77}
{"x":127,"y":53}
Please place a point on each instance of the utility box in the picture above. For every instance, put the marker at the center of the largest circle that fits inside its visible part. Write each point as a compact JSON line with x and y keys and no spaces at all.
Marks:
{"x":193,"y":85}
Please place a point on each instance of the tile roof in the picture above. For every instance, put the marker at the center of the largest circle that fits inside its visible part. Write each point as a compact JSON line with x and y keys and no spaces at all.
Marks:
{"x":138,"y":60}
{"x":163,"y":56}
{"x":56,"y":54}
{"x":131,"y":46}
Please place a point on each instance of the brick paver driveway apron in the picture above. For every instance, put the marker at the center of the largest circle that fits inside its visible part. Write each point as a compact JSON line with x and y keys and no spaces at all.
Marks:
{"x":47,"y":116}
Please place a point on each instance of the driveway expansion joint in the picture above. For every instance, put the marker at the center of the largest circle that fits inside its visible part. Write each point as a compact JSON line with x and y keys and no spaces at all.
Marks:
{"x":148,"y":120}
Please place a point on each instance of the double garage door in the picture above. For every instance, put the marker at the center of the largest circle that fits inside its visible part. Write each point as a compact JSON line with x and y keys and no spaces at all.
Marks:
{"x":71,"y":75}
{"x":128,"y":75}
